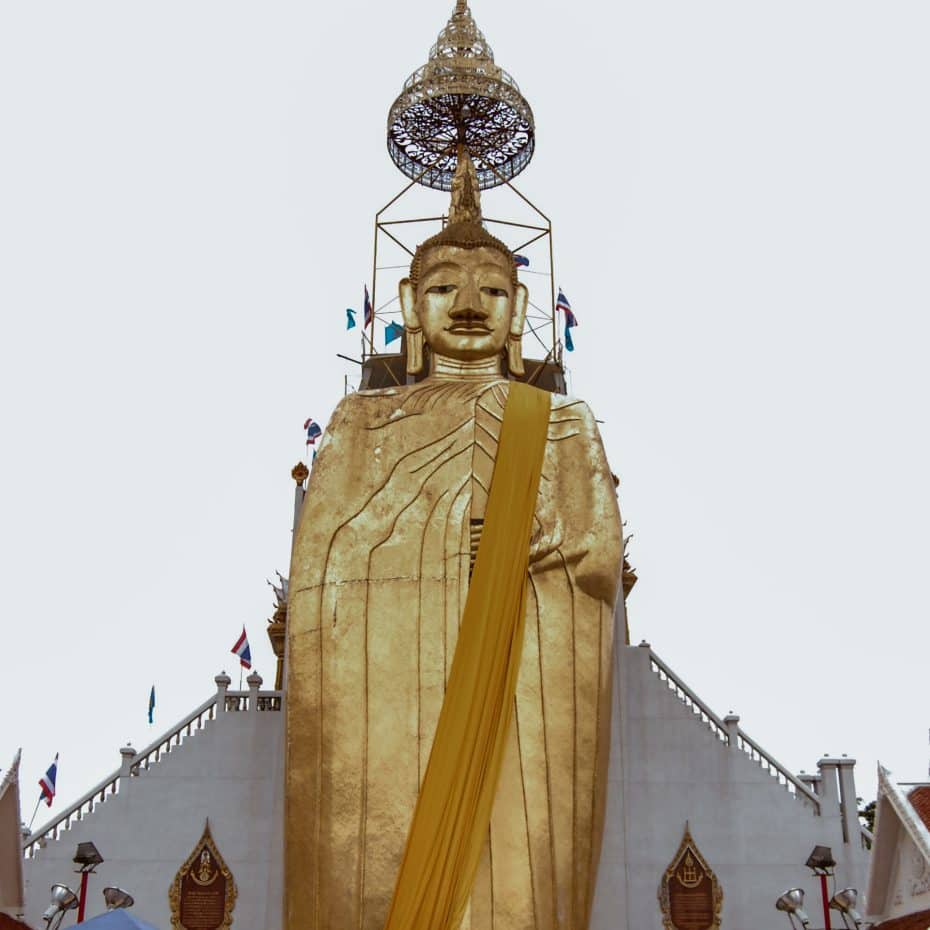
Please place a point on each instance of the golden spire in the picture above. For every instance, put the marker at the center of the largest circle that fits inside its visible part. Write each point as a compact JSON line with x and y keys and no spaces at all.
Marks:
{"x":466,"y":195}
{"x":460,"y":96}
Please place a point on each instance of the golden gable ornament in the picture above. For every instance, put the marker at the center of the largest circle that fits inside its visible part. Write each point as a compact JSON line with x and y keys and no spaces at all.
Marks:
{"x":690,"y":896}
{"x":203,"y":892}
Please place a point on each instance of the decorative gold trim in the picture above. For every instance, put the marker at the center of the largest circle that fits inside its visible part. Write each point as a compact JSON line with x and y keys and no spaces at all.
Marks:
{"x":689,"y":877}
{"x":174,"y":892}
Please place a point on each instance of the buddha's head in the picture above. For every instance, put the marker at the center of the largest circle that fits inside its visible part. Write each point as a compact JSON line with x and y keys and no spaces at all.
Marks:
{"x":462,"y":297}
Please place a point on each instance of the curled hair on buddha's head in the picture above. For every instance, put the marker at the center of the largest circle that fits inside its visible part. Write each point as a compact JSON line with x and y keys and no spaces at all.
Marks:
{"x":464,"y":235}
{"x":464,"y":229}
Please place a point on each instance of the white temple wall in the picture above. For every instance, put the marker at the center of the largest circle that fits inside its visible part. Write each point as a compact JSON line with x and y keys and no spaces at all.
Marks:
{"x":230,"y":772}
{"x":669,"y":768}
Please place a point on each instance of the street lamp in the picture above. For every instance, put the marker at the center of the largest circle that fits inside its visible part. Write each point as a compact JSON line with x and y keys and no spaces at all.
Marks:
{"x":63,"y":899}
{"x":821,"y":863}
{"x":791,"y":903}
{"x":116,"y":898}
{"x":88,"y":858}
{"x":845,"y":902}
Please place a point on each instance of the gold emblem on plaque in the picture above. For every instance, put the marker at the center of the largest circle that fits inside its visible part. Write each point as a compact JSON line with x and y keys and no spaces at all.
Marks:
{"x":690,"y":897}
{"x":203,"y":892}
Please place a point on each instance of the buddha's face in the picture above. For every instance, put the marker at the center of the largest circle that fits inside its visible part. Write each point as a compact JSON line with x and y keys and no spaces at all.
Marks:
{"x":465,"y":301}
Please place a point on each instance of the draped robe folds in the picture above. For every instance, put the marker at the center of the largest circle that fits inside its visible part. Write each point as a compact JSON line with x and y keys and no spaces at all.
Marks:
{"x":379,"y":578}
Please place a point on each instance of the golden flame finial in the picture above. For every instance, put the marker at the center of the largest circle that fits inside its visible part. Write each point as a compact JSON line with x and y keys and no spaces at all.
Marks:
{"x":466,"y":195}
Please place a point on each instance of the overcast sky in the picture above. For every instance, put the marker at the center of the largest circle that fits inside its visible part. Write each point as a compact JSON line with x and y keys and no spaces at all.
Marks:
{"x":740,"y":198}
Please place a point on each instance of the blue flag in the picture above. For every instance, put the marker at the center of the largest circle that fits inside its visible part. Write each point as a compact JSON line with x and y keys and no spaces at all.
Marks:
{"x":568,"y":338}
{"x":350,"y":318}
{"x":392,"y":331}
{"x":152,"y":705}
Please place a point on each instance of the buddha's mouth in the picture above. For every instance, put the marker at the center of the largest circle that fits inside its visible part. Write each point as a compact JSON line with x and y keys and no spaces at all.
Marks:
{"x":469,"y":327}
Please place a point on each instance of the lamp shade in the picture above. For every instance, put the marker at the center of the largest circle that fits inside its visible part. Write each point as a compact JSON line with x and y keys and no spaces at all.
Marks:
{"x":64,"y":898}
{"x":821,"y":858}
{"x":845,"y":902}
{"x":87,"y":855}
{"x":116,"y":898}
{"x":791,"y":902}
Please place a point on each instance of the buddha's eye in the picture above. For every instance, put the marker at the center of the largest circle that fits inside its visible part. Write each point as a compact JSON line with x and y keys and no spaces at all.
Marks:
{"x":495,"y":291}
{"x":441,"y":289}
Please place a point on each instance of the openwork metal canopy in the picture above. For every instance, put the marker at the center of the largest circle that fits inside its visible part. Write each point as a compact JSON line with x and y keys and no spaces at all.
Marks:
{"x":460,"y":97}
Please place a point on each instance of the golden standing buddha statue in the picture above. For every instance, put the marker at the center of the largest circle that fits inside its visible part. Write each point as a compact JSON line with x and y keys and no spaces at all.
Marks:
{"x":384,"y":569}
{"x":379,"y":579}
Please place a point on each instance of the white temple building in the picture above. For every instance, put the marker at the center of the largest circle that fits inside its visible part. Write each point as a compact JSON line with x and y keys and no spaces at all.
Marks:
{"x":674,"y":764}
{"x":899,"y":877}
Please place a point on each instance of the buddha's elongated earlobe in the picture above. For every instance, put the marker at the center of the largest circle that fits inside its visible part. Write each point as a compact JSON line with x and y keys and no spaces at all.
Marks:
{"x":413,"y":332}
{"x":515,"y":336}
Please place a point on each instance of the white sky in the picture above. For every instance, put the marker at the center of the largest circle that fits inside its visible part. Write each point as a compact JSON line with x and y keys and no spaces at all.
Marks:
{"x":740,"y":196}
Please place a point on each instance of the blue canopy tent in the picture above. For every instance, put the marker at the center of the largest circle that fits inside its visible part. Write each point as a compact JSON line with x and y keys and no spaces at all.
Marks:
{"x":116,"y":920}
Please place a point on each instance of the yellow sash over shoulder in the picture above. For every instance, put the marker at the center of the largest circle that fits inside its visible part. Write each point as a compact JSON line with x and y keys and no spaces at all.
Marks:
{"x":453,"y":810}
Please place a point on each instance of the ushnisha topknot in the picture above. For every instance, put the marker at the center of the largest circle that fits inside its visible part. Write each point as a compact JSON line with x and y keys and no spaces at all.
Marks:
{"x":464,"y":229}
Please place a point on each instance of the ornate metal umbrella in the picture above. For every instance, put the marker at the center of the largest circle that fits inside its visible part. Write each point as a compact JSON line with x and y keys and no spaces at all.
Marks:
{"x":460,"y":97}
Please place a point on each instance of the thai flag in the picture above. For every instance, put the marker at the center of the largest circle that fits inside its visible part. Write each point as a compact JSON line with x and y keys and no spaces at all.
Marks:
{"x":314,"y":431}
{"x":563,"y":305}
{"x":369,"y":312}
{"x":242,"y":650}
{"x":521,"y":261}
{"x":47,"y":782}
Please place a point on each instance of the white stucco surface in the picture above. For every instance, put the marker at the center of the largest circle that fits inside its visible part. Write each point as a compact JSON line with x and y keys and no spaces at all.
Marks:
{"x":230,"y":772}
{"x":668,"y":768}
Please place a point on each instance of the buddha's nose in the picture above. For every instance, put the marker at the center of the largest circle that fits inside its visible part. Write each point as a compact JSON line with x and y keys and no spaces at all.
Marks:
{"x":468,"y":305}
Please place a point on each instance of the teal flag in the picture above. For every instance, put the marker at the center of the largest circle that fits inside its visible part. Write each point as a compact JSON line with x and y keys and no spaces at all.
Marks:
{"x":152,"y":705}
{"x":392,"y":331}
{"x":568,"y":339}
{"x":350,"y":318}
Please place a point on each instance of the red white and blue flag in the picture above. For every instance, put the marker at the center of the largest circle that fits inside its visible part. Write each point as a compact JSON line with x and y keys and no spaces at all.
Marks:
{"x":242,"y":650}
{"x":563,"y":305}
{"x":521,"y":261}
{"x":314,"y":431}
{"x":369,"y":312}
{"x":47,"y":782}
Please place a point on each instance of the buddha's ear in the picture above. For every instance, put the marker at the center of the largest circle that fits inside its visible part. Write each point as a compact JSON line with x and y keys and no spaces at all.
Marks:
{"x":413,"y":332}
{"x":408,"y":304}
{"x":515,"y":336}
{"x":520,"y":299}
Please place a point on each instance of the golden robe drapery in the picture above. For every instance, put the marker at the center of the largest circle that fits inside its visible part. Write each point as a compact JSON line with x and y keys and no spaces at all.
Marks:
{"x":378,"y":582}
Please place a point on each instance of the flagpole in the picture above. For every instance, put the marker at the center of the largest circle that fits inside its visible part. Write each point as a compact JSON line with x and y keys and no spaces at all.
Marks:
{"x":36,"y":811}
{"x":240,"y":676}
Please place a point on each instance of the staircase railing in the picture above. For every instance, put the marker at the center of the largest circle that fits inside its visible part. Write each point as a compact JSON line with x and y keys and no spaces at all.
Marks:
{"x":137,"y":763}
{"x":733,"y":735}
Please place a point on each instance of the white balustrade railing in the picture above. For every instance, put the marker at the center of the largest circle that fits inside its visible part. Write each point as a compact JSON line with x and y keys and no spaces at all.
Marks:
{"x":138,"y":763}
{"x":727,"y":734}
{"x":689,"y":698}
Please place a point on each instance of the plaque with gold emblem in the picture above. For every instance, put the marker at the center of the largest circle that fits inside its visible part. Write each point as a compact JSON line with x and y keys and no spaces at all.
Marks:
{"x":690,"y":896}
{"x":203,"y":892}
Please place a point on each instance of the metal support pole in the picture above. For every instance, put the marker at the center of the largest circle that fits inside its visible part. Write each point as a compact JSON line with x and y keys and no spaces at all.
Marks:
{"x":83,"y":899}
{"x":826,"y":900}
